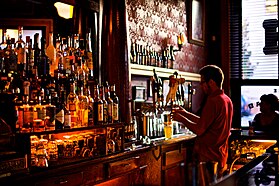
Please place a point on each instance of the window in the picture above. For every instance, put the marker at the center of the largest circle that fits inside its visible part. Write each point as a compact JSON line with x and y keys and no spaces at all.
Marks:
{"x":255,"y":64}
{"x":249,"y":66}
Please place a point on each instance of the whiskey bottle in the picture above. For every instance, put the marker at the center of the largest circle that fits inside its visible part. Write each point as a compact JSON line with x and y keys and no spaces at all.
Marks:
{"x":90,"y":107}
{"x":71,"y":105}
{"x":59,"y":119}
{"x":114,"y":97}
{"x":109,"y":102}
{"x":20,"y":51}
{"x":105,"y":104}
{"x":82,"y":109}
{"x":133,"y":54}
{"x":98,"y":107}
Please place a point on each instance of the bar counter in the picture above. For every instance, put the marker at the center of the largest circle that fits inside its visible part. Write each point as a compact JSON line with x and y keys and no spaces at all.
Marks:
{"x":256,"y":170}
{"x":158,"y":163}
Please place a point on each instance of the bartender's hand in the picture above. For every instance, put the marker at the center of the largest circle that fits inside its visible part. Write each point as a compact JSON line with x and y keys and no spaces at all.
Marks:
{"x":178,"y":113}
{"x":179,"y":110}
{"x":176,"y":116}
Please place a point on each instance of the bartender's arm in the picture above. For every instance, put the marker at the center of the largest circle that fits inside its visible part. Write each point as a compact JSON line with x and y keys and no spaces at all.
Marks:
{"x":180,"y":114}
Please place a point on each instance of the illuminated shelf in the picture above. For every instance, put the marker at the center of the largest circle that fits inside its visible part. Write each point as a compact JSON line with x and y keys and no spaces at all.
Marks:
{"x":143,"y":70}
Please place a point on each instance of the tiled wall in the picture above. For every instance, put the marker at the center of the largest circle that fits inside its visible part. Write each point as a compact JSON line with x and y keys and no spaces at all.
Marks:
{"x":157,"y":23}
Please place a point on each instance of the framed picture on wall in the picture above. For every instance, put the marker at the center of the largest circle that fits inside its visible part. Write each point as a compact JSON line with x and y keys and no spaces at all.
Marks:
{"x":196,"y":22}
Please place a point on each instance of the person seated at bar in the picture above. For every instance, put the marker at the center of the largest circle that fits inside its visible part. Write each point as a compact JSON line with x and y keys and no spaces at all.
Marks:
{"x":268,"y":119}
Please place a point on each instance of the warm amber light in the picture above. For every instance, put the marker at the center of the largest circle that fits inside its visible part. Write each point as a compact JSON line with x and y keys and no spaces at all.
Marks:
{"x":64,"y":10}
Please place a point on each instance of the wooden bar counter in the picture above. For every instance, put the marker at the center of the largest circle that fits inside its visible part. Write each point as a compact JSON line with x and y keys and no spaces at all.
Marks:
{"x":256,"y":162}
{"x":162,"y":162}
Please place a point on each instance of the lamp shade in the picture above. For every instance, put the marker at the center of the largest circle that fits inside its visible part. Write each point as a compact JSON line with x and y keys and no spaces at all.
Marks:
{"x":64,"y":10}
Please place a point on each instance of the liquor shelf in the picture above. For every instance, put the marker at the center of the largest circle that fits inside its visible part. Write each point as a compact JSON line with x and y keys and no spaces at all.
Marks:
{"x":143,"y":70}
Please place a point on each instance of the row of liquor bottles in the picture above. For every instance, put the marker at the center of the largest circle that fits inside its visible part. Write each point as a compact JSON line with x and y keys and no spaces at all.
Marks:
{"x":53,"y":111}
{"x":54,"y":86}
{"x":146,"y":55}
{"x":30,"y":59}
{"x":48,"y":150}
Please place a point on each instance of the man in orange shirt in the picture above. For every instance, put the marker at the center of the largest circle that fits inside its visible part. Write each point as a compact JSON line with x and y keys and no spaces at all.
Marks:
{"x":213,"y":126}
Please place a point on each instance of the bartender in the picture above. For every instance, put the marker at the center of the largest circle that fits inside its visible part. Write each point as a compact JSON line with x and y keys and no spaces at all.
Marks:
{"x":213,"y":126}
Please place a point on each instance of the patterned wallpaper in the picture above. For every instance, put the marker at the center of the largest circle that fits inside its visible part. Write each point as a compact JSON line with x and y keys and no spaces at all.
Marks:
{"x":157,"y":23}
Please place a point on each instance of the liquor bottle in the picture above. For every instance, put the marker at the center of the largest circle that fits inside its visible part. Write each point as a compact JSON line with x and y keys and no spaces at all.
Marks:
{"x":137,"y":54}
{"x":66,"y":114}
{"x":51,"y":54}
{"x":10,"y":58}
{"x":50,"y":116}
{"x":59,"y":119}
{"x":59,"y":59}
{"x":118,"y":140}
{"x":90,"y":107}
{"x":105,"y":104}
{"x":20,"y":51}
{"x":44,"y":66}
{"x":109,"y":102}
{"x":110,"y":143}
{"x":52,"y":149}
{"x":82,"y":112}
{"x":152,"y":57}
{"x":72,"y":105}
{"x":39,"y":115}
{"x":29,"y":57}
{"x":114,"y":97}
{"x":140,"y":54}
{"x":36,"y":54}
{"x":19,"y":112}
{"x":133,"y":54}
{"x":98,"y":107}
{"x":164,"y":59}
{"x":88,"y":51}
{"x":172,"y":58}
{"x":65,"y":53}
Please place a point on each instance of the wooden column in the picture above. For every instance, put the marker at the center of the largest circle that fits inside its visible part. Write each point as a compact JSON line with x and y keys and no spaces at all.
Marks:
{"x":114,"y":59}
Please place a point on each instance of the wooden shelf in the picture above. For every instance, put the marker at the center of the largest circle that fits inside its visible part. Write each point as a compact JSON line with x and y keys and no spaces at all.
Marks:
{"x":143,"y":70}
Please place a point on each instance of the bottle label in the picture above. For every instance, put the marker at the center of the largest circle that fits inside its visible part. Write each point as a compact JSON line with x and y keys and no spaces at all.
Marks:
{"x":115,"y":112}
{"x":105,"y":114}
{"x":100,"y":112}
{"x":67,"y":120}
{"x":19,"y":119}
{"x":72,"y":107}
{"x":60,"y":116}
{"x":28,"y":117}
{"x":21,"y":58}
{"x":89,"y":60}
{"x":110,"y":111}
